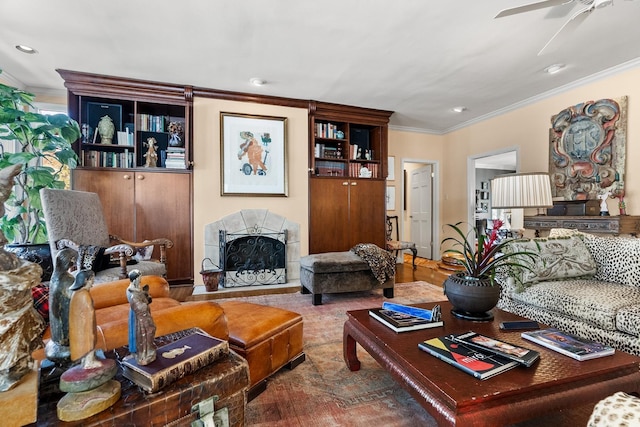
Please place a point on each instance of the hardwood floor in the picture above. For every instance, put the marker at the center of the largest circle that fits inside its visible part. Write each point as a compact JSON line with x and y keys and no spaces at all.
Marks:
{"x":426,"y":270}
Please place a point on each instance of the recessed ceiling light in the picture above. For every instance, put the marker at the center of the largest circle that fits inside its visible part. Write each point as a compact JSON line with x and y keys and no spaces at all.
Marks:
{"x":459,"y":109}
{"x":26,"y":49}
{"x":552,"y":69}
{"x":257,"y":82}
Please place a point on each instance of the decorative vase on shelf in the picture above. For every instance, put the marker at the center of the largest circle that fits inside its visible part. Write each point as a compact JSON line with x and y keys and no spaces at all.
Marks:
{"x":107,"y":129}
{"x":472,"y":298}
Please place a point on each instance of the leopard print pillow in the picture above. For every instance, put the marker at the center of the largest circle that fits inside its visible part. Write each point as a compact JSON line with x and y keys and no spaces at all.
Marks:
{"x":619,"y":409}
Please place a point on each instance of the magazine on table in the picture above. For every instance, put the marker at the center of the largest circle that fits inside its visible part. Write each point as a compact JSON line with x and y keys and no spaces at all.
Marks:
{"x":479,"y":363}
{"x":568,"y":344}
{"x":401,"y":322}
{"x":522,"y":355}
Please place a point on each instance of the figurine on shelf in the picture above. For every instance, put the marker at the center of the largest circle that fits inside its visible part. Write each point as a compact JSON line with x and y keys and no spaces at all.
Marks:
{"x":619,"y":194}
{"x":604,"y":209}
{"x":152,"y":154}
{"x":106,"y":129}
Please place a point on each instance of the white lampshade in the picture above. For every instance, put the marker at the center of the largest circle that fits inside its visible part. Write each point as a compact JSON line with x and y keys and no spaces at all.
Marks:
{"x":521,"y":190}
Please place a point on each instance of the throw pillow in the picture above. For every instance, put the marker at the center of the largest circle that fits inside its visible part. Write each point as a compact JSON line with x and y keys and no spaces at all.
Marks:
{"x":92,"y":258}
{"x":558,"y":259}
{"x":617,"y":258}
{"x":40,"y":295}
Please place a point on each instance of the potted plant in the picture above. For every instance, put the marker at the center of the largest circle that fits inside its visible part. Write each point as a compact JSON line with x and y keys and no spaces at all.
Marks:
{"x":473,"y":291}
{"x":43,"y":147}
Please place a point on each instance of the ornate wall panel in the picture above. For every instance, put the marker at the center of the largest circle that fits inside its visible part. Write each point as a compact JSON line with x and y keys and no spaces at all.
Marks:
{"x":587,"y":146}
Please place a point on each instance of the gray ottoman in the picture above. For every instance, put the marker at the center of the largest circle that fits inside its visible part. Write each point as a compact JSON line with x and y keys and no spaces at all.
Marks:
{"x":335,"y":272}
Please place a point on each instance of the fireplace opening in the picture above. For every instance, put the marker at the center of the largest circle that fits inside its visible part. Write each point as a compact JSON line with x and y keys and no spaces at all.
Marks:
{"x":249,"y":259}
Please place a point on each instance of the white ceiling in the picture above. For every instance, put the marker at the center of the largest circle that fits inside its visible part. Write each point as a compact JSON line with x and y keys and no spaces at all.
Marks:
{"x":417,"y":58}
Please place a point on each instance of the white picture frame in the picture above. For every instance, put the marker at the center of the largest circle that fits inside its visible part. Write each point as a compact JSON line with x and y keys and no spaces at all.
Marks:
{"x":391,"y":161}
{"x":266,"y":173}
{"x":391,"y":198}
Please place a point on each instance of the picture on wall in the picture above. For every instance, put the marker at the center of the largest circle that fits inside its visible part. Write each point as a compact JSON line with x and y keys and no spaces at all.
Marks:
{"x":587,"y":149}
{"x":391,"y":198}
{"x":253,"y":155}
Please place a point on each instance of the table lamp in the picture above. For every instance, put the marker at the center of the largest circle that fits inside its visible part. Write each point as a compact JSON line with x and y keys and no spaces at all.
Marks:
{"x":521,"y":190}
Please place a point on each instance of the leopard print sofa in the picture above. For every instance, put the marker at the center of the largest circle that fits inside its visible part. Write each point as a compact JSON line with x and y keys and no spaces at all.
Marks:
{"x":603,"y":307}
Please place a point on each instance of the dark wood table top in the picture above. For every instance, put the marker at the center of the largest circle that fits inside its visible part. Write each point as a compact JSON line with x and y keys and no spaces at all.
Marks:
{"x":454,"y":397}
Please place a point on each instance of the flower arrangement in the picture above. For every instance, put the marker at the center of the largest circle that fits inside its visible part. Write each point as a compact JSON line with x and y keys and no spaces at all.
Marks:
{"x":483,"y":262}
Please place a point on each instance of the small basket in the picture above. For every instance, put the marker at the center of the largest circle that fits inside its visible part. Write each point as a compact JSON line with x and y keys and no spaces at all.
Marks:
{"x":211,"y":277}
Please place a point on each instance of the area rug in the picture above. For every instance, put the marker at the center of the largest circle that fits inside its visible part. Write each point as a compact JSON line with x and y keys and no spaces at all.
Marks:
{"x":322,"y":391}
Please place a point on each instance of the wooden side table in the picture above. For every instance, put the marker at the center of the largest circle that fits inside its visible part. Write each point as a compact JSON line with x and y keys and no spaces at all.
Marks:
{"x":227,"y":378}
{"x":622,"y":224}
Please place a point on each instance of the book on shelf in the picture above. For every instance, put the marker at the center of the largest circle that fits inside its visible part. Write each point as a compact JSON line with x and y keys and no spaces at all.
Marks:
{"x":478,"y":363}
{"x":524,"y":356}
{"x":401,"y":322}
{"x":568,"y":344}
{"x":175,"y":360}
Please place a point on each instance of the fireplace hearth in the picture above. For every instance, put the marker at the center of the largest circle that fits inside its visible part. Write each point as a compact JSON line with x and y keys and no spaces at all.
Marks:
{"x":254,"y":247}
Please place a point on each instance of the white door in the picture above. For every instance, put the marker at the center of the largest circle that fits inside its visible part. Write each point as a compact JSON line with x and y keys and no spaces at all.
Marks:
{"x":421,"y":210}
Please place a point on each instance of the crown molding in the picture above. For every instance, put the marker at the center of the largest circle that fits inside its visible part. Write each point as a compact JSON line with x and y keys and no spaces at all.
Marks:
{"x":634,"y":63}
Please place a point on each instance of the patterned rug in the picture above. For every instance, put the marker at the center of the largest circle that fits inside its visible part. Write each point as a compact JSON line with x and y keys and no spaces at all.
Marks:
{"x":322,"y":391}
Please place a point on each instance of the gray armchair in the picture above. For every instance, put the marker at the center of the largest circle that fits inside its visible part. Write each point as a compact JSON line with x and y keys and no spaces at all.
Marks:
{"x":75,"y":219}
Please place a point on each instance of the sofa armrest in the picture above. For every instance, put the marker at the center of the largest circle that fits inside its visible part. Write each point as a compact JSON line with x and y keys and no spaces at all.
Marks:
{"x":115,"y":293}
{"x":206,"y":315}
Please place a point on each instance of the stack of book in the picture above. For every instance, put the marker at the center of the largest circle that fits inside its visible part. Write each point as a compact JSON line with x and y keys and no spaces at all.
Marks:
{"x":403,"y":318}
{"x":479,"y":355}
{"x":175,"y":158}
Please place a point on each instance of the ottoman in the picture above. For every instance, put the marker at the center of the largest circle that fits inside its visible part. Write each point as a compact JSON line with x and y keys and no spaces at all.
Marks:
{"x":335,"y":272}
{"x":269,"y":338}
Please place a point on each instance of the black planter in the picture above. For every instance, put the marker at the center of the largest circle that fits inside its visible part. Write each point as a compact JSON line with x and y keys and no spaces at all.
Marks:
{"x":471,"y":298}
{"x":39,"y":253}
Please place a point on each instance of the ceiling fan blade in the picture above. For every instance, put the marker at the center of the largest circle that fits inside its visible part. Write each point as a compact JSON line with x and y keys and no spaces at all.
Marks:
{"x":530,"y":7}
{"x":570,"y":25}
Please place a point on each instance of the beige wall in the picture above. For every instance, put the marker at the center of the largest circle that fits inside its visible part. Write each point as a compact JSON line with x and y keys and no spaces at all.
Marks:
{"x":528,"y":128}
{"x":415,"y":148}
{"x":210,"y":206}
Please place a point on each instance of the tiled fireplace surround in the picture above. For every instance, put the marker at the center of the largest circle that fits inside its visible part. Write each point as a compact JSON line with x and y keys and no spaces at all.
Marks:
{"x":252,"y":221}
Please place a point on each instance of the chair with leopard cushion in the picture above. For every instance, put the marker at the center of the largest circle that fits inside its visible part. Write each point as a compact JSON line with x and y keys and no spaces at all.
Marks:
{"x":75,"y":219}
{"x":618,"y":410}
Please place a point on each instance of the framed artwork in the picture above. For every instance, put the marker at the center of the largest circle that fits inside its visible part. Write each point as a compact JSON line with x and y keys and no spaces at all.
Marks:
{"x":391,"y":176}
{"x":391,"y":198}
{"x":253,"y":155}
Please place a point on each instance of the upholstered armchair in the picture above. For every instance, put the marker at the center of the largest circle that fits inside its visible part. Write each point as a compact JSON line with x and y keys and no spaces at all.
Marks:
{"x":75,"y":219}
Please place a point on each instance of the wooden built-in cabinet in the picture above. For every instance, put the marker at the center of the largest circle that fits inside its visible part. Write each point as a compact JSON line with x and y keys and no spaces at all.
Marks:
{"x":348,"y":170}
{"x":139,"y":202}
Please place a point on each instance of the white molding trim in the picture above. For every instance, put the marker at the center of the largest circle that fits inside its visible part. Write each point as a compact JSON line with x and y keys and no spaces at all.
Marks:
{"x":634,"y":63}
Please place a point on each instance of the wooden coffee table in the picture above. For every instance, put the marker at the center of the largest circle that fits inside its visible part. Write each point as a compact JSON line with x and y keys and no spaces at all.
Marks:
{"x":454,"y":397}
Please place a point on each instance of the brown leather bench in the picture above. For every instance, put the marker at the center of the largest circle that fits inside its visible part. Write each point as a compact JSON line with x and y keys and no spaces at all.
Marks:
{"x":267,"y":337}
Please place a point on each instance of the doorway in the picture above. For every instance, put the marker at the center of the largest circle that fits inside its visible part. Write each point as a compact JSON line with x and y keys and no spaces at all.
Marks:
{"x":420,"y":206}
{"x":481,"y":168}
